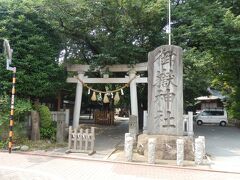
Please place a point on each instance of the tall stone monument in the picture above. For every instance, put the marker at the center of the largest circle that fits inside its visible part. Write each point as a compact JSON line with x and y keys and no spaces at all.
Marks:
{"x":165,"y":104}
{"x":165,"y":91}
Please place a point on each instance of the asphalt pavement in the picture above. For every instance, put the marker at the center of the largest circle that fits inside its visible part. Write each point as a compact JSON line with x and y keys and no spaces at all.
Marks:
{"x":222,"y":146}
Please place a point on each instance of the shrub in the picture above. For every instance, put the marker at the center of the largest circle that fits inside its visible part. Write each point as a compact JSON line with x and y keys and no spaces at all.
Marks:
{"x":47,"y":126}
{"x":48,"y":133}
{"x":45,"y":116}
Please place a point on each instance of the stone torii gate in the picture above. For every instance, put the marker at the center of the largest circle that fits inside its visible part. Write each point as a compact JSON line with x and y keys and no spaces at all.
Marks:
{"x":132,"y":78}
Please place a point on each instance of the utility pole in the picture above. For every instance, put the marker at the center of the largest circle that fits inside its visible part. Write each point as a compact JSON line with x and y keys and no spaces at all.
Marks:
{"x":8,"y":52}
{"x":169,"y":22}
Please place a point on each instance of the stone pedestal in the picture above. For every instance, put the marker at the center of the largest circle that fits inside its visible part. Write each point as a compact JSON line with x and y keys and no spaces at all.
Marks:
{"x":166,"y":148}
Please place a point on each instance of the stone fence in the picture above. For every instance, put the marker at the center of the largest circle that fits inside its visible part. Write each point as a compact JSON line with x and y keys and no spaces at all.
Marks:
{"x":62,"y":119}
{"x":59,"y":115}
{"x":81,"y":140}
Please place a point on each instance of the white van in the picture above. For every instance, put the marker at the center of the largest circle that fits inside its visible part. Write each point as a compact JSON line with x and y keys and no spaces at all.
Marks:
{"x":216,"y":116}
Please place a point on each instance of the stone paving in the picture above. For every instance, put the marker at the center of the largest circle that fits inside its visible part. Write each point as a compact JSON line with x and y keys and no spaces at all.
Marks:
{"x":34,"y":167}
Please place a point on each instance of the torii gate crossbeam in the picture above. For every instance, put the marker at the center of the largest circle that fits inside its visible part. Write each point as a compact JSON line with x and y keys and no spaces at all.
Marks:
{"x":81,"y":69}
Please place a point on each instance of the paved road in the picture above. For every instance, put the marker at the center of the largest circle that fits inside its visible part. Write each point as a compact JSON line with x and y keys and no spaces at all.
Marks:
{"x":32,"y":167}
{"x":223,"y":146}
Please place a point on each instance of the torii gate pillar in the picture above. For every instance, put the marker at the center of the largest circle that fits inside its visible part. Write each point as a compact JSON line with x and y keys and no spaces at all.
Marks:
{"x":78,"y":101}
{"x":133,"y":95}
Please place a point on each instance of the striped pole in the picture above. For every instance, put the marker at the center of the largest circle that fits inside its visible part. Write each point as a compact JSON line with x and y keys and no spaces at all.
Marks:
{"x":12,"y":112}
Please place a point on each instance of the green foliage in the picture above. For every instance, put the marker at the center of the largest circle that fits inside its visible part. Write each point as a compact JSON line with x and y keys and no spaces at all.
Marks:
{"x":45,"y":116}
{"x":234,"y":110}
{"x":4,"y":109}
{"x":197,"y":74}
{"x":48,"y":133}
{"x":115,"y":32}
{"x":47,"y":126}
{"x":22,"y":106}
{"x":3,"y":144}
{"x":109,"y":32}
{"x":121,"y":32}
{"x":234,"y":103}
{"x":212,"y":30}
{"x":4,"y":120}
{"x":19,"y":133}
{"x":36,"y":47}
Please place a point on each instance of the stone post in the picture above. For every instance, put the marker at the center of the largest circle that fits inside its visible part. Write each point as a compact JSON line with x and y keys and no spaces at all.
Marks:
{"x":133,"y":126}
{"x":145,"y":116}
{"x":152,"y":150}
{"x":128,"y":148}
{"x":70,"y":131}
{"x":203,"y":143}
{"x":190,"y":124}
{"x":185,"y":124}
{"x":35,"y":133}
{"x":198,"y":151}
{"x":92,"y":138}
{"x":78,"y":101}
{"x":126,"y":136}
{"x":60,"y":128}
{"x":133,"y":95}
{"x":67,"y":117}
{"x":180,"y":152}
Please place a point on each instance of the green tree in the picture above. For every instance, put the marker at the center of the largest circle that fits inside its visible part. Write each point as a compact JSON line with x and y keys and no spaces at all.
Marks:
{"x":212,"y":27}
{"x":110,"y":32}
{"x":123,"y":31}
{"x":36,"y":48}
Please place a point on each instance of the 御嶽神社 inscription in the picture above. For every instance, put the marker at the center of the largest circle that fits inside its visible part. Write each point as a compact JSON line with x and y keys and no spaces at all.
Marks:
{"x":165,"y":91}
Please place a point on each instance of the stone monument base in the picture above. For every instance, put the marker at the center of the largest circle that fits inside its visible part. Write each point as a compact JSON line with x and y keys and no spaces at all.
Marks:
{"x":166,"y":146}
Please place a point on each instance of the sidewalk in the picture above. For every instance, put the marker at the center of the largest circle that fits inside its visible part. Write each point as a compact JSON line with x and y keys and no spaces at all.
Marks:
{"x":34,"y":167}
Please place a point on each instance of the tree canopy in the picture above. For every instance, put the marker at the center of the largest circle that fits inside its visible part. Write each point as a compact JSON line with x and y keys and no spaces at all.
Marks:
{"x":104,"y":32}
{"x":36,"y":46}
{"x":110,"y":32}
